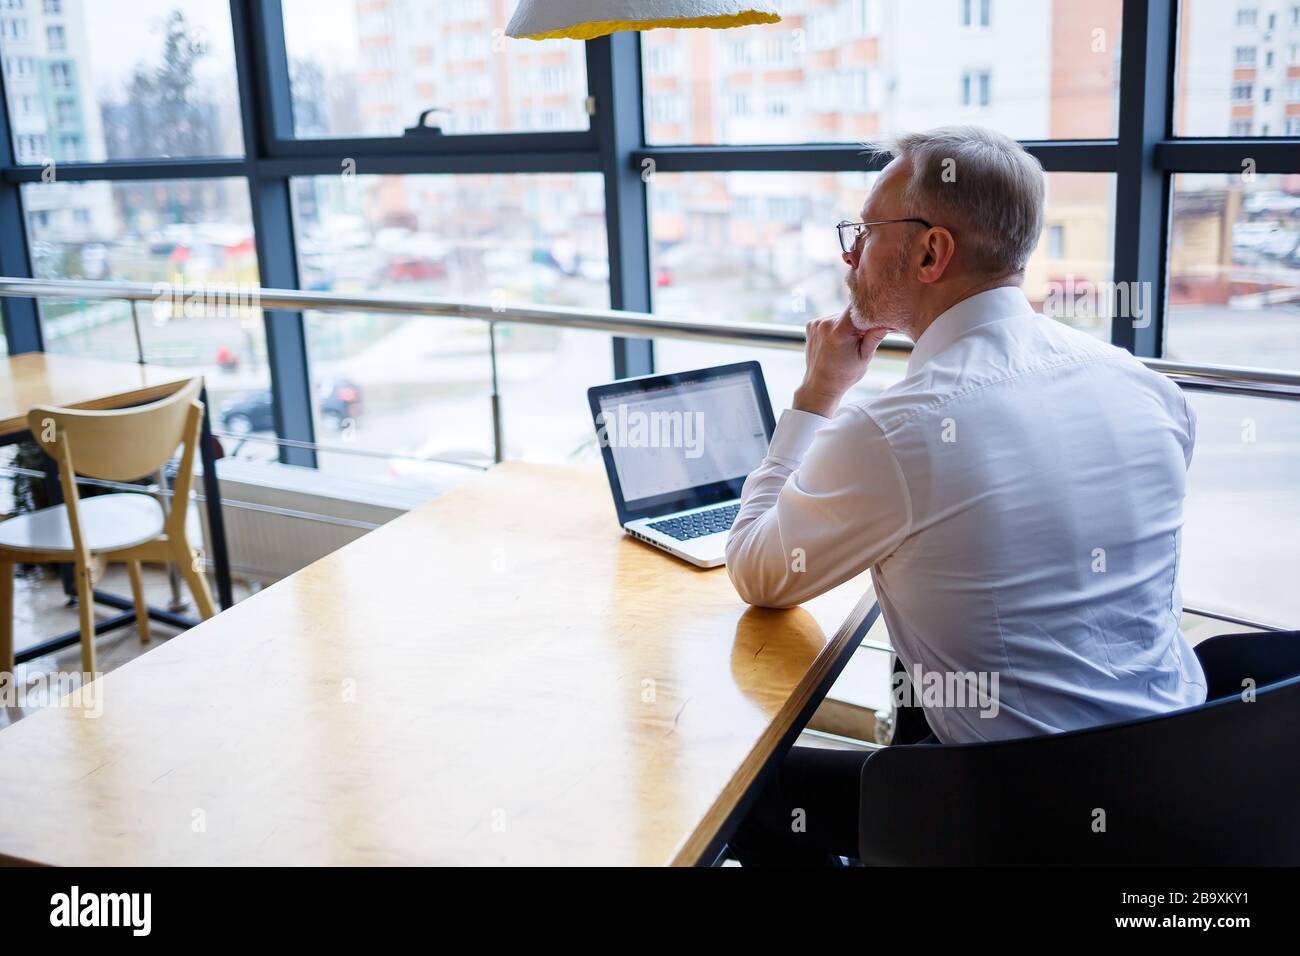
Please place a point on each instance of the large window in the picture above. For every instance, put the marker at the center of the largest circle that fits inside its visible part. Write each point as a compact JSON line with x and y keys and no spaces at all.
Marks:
{"x":1238,"y":69}
{"x":854,"y":70}
{"x":128,"y":161}
{"x":361,"y":68}
{"x":96,"y":80}
{"x":761,"y":247}
{"x":420,"y":386}
{"x":1243,"y":504}
{"x":1234,"y":270}
{"x":1233,"y":298}
{"x":187,"y":237}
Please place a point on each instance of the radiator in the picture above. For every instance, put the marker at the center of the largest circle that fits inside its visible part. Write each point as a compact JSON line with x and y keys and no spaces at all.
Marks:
{"x":280,"y":518}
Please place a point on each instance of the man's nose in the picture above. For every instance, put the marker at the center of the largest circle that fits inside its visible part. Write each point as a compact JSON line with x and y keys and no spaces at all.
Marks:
{"x":849,"y":259}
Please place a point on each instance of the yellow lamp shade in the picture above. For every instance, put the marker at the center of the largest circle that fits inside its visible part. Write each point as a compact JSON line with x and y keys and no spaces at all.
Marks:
{"x":587,"y":19}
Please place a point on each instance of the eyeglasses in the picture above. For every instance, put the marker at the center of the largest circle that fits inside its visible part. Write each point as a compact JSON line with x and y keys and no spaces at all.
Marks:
{"x":851,"y":232}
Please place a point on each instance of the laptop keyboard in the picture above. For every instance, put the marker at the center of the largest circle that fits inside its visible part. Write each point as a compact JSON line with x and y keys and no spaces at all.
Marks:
{"x":697,"y":525}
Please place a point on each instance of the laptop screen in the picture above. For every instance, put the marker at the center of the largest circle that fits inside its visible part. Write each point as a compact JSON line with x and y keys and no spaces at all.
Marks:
{"x":677,"y":441}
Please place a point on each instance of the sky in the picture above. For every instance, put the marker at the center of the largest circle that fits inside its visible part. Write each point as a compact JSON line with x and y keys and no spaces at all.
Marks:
{"x":121,"y":33}
{"x":326,"y":29}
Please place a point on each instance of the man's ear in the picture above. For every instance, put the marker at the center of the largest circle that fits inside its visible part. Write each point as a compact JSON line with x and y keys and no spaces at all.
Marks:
{"x":937,"y":250}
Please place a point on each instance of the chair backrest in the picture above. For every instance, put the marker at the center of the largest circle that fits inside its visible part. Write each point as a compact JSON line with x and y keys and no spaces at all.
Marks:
{"x":1262,"y":657}
{"x":118,"y":445}
{"x":1213,"y":784}
{"x":123,"y":444}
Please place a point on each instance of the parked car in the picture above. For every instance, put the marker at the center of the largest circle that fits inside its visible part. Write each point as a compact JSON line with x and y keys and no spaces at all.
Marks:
{"x":339,"y":400}
{"x":1253,"y":240}
{"x":406,"y":269}
{"x":1271,"y":203}
{"x":1281,"y":245}
{"x":248,"y":413}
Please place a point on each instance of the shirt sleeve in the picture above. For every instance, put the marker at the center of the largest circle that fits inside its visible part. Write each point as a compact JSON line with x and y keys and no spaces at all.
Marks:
{"x":828,"y":501}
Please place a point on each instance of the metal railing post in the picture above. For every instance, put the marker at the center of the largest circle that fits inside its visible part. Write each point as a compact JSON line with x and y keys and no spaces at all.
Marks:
{"x":178,"y":602}
{"x":135,"y":327}
{"x":498,"y":445}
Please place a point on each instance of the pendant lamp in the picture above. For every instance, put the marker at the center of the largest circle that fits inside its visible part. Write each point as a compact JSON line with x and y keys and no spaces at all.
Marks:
{"x":587,"y":19}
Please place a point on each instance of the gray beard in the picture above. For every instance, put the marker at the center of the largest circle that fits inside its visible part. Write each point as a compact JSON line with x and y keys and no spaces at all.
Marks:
{"x":860,"y":317}
{"x":856,"y":317}
{"x":858,"y":314}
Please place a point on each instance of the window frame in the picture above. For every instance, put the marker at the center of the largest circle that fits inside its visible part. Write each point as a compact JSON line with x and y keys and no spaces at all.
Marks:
{"x":281,"y":142}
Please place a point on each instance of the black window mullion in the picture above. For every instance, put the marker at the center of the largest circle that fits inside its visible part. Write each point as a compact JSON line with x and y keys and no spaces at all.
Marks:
{"x":273,"y":98}
{"x":614,"y":78}
{"x":1084,"y":156}
{"x":452,"y":144}
{"x":265,"y":107}
{"x":1147,"y":64}
{"x":22,"y":320}
{"x":1223,"y":155}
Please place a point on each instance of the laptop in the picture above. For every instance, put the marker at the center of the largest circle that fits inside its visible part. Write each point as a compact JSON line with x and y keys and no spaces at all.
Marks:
{"x":678,"y":448}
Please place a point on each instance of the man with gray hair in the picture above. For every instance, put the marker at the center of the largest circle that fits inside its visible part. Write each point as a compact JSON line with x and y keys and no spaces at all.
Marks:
{"x":1017,"y":496}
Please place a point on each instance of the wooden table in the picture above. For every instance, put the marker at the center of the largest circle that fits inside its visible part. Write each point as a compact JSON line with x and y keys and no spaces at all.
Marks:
{"x":75,"y":381}
{"x":498,"y":677}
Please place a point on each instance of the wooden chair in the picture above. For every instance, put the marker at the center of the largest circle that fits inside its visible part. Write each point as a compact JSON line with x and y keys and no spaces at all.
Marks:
{"x":120,"y":445}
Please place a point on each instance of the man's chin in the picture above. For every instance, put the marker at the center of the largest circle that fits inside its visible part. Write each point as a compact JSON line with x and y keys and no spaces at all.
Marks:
{"x":857,"y":318}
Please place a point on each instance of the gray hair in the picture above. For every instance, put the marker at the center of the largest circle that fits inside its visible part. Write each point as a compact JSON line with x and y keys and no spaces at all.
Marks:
{"x":981,"y":185}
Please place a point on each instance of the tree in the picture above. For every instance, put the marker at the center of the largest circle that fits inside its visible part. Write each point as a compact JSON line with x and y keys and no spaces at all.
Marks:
{"x":162,"y":116}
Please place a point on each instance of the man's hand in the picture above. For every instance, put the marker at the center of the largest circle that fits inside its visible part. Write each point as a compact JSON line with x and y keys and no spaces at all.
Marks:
{"x":838,"y":354}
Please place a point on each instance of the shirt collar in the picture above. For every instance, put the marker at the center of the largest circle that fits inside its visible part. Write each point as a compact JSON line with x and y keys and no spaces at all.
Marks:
{"x":969,"y":313}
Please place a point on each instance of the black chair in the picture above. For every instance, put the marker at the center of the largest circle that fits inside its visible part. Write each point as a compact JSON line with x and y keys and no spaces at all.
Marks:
{"x":1211,"y":785}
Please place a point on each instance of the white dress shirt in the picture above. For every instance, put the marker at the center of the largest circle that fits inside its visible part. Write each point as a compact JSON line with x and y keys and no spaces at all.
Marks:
{"x":1018,"y":498}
